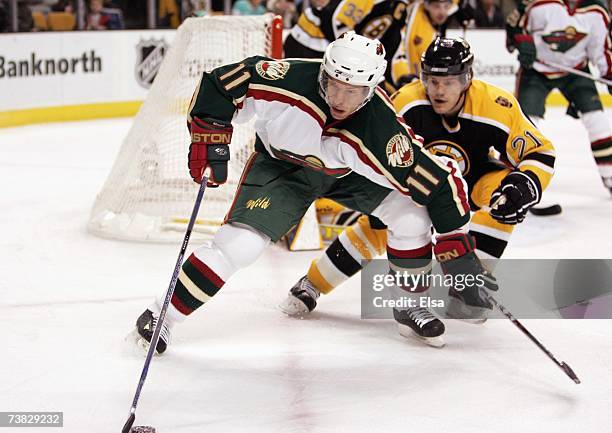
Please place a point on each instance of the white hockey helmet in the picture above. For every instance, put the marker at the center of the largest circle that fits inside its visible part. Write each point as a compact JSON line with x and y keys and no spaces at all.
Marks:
{"x":355,"y":60}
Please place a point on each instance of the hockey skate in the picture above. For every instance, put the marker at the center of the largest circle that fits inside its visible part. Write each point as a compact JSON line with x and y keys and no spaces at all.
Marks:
{"x":302,"y":298}
{"x":420,"y":323}
{"x":143,"y":333}
{"x":468,"y":308}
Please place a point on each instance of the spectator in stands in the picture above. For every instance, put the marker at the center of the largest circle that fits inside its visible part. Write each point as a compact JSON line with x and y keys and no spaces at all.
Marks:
{"x":284,"y":8}
{"x":488,"y":15}
{"x":168,"y":14}
{"x":248,"y":7}
{"x":196,"y":8}
{"x":103,"y":18}
{"x":63,"y":6}
{"x":115,"y":16}
{"x":97,"y":19}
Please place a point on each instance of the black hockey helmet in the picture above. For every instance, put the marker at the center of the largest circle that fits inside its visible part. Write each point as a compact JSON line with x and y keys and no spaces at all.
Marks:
{"x":447,"y":56}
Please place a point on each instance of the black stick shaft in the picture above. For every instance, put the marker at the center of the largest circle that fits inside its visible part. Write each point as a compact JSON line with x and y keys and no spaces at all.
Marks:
{"x":162,"y":314}
{"x":562,"y":365}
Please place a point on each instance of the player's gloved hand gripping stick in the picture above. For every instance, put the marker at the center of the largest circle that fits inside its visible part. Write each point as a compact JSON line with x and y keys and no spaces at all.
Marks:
{"x":516,"y":194}
{"x":210,"y":139}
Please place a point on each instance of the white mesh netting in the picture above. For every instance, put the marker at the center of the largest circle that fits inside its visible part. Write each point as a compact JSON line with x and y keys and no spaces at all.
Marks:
{"x":148,"y":194}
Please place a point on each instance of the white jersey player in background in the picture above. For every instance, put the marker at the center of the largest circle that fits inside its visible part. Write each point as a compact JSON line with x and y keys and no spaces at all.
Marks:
{"x":572,"y":34}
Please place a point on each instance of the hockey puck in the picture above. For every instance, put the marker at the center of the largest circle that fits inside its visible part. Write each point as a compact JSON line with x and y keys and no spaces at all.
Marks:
{"x":142,"y":429}
{"x":554,"y":209}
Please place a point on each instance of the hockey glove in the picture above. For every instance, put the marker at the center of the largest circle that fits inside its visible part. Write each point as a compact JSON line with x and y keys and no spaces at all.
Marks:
{"x":527,"y":50}
{"x":456,"y":254}
{"x":209,"y":148}
{"x":517,"y":192}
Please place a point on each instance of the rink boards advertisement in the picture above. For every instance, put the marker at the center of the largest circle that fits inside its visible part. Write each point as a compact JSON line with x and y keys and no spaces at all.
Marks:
{"x":58,"y":76}
{"x":76,"y":75}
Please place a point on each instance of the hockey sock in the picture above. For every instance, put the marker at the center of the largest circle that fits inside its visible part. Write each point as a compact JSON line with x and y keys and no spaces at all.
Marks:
{"x":208,"y":268}
{"x":416,"y":261}
{"x":342,"y":259}
{"x":491,"y":236}
{"x":600,"y":135}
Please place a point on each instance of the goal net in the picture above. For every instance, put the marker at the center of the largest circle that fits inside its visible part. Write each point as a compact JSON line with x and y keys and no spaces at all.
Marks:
{"x":149,"y":195}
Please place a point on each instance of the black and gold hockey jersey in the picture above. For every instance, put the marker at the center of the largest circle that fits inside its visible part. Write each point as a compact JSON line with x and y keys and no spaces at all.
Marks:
{"x":418,"y":34}
{"x":382,"y":19}
{"x":386,"y":22}
{"x":492,"y":130}
{"x":318,"y":27}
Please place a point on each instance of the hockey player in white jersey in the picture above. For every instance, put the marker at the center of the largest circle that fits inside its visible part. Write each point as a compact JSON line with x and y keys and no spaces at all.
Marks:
{"x":324,"y":129}
{"x":570,"y":33}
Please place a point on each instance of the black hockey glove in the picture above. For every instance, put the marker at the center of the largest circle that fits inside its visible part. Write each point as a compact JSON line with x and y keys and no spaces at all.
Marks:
{"x":527,"y":50}
{"x":517,"y":192}
{"x":456,"y":254}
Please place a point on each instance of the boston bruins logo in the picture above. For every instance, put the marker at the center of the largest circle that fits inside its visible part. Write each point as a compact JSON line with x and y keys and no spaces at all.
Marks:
{"x":272,"y":70}
{"x":450,"y":150}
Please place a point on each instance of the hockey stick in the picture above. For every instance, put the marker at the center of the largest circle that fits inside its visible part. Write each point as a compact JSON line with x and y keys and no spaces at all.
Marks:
{"x":575,"y":72}
{"x":162,"y":314}
{"x":562,"y":365}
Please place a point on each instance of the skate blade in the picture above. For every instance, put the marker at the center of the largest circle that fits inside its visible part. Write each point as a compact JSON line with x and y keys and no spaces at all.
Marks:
{"x":142,"y":429}
{"x":407,"y":332}
{"x":293,"y":307}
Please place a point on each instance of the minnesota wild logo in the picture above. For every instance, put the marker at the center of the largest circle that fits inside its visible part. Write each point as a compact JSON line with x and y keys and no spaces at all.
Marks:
{"x":272,"y":70}
{"x":563,"y":40}
{"x":399,"y":151}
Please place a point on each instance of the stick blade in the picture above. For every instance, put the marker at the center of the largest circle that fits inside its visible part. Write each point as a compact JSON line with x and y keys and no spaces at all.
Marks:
{"x":128,"y":424}
{"x":568,"y":370}
{"x":142,"y":429}
{"x":554,"y":209}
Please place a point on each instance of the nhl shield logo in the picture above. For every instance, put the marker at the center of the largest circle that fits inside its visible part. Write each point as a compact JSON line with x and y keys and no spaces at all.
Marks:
{"x":149,"y":56}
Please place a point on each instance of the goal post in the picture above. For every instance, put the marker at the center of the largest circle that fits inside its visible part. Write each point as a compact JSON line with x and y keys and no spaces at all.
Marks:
{"x":149,"y":193}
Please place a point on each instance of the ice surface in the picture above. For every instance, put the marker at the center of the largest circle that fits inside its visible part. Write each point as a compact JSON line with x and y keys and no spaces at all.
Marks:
{"x":67,"y":299}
